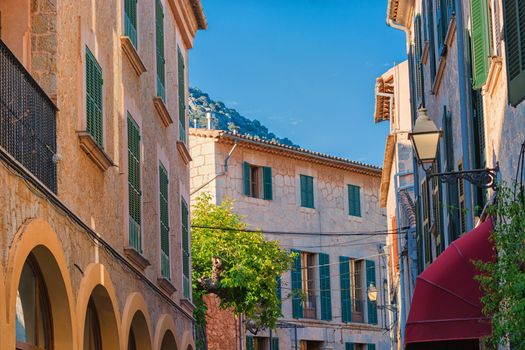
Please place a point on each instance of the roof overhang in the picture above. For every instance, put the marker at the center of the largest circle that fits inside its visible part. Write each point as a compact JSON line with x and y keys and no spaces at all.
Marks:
{"x":189,"y":17}
{"x":400,"y":12}
{"x":275,"y":148}
{"x":387,"y":171}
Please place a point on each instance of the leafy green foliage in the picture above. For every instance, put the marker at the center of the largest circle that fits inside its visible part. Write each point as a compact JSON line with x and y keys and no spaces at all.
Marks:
{"x":503,"y":281}
{"x":250,"y":264}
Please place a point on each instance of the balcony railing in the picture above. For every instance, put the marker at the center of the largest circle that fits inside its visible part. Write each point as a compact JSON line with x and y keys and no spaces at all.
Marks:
{"x":27,"y":120}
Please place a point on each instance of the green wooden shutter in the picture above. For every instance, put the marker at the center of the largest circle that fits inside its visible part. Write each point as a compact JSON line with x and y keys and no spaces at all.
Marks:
{"x":130,"y":20}
{"x":297,"y":286}
{"x":182,"y":95}
{"x":480,"y":41}
{"x":307,"y":191}
{"x":185,"y":249}
{"x":431,"y":40}
{"x":249,"y":342}
{"x":134,"y":185}
{"x":346,"y":298}
{"x":354,"y":200}
{"x":164,"y":222}
{"x":159,"y":38}
{"x":275,"y":343}
{"x":267,"y":179}
{"x":371,"y":347}
{"x":349,"y":346}
{"x":515,"y":46}
{"x":324,"y":284}
{"x":94,"y":98}
{"x":246,"y":178}
{"x":303,"y":190}
{"x":371,"y":278}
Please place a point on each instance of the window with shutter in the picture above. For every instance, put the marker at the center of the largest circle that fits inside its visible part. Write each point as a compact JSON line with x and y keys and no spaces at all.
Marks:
{"x":249,"y":343}
{"x":349,"y":346}
{"x":324,"y":284}
{"x":159,"y":39}
{"x":297,"y":284}
{"x":354,"y":200}
{"x":278,"y":283}
{"x":130,"y":20}
{"x":371,"y":279}
{"x":371,"y":347}
{"x":346,"y":298}
{"x":134,"y":185}
{"x":182,"y":95}
{"x":480,"y":42}
{"x":164,"y":223}
{"x":307,"y":191}
{"x":257,"y":181}
{"x":514,"y":11}
{"x":437,"y":217}
{"x":94,"y":111}
{"x":186,"y":279}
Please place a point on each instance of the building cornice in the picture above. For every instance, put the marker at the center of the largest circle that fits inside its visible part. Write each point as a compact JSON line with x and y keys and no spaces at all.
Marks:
{"x":400,"y":12}
{"x":189,"y":17}
{"x":298,"y":153}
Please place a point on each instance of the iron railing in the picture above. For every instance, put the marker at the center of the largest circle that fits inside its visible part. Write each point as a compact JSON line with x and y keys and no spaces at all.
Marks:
{"x":27,"y":120}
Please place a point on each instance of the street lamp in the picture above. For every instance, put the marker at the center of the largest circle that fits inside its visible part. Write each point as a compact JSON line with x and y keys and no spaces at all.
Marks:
{"x":372,"y":292}
{"x":425,"y":140}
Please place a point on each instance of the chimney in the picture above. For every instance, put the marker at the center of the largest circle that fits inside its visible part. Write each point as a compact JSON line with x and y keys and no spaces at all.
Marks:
{"x":208,"y":118}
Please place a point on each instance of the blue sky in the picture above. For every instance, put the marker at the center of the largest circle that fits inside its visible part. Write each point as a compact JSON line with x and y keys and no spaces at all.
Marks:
{"x":304,"y":68}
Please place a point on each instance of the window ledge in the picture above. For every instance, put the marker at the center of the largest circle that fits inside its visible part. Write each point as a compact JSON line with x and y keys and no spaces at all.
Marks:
{"x":493,"y":75}
{"x":137,"y":258}
{"x":187,"y":304}
{"x":439,"y":73}
{"x":160,"y":106}
{"x":166,"y":285}
{"x":425,"y":54}
{"x":94,"y":151}
{"x":183,"y":151}
{"x":133,"y":55}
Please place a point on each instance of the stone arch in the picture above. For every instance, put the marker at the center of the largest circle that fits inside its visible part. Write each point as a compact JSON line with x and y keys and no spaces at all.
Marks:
{"x":188,"y":343}
{"x":136,"y":316}
{"x":38,"y":238}
{"x":165,"y":329}
{"x":97,"y":284}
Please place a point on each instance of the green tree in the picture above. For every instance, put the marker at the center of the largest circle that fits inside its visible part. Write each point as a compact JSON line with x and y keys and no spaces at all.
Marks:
{"x":240,"y":267}
{"x":503,"y":281}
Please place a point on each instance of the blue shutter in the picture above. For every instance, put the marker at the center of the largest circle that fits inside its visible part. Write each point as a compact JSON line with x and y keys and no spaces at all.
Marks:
{"x":278,"y":282}
{"x":354,"y":200}
{"x":275,"y":343}
{"x":311,"y":191}
{"x":371,"y":278}
{"x":371,"y":347}
{"x":267,"y":179}
{"x":326,"y":293}
{"x":297,"y":286}
{"x":246,"y":178}
{"x":349,"y":346}
{"x":346,"y":299}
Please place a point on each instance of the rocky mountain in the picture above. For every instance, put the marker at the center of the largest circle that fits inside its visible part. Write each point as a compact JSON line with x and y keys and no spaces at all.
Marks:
{"x":225,"y":118}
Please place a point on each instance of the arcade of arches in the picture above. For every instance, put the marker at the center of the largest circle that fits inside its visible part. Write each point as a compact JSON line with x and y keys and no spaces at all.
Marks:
{"x":39,"y":308}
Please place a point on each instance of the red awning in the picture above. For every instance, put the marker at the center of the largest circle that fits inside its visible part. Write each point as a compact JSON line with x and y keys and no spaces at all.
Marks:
{"x":446,"y":304}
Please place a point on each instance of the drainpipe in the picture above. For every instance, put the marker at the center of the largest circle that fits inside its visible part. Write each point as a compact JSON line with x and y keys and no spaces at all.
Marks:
{"x":464,"y":102}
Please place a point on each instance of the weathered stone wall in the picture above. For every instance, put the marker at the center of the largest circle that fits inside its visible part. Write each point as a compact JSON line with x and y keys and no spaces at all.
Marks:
{"x":222,"y":330}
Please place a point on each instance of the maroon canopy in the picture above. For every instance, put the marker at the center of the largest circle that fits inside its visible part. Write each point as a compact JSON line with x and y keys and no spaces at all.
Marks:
{"x":446,"y":303}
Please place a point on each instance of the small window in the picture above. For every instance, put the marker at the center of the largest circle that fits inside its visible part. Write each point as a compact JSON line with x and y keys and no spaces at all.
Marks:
{"x":94,"y":93}
{"x":33,"y":316}
{"x":307,"y":191}
{"x":257,"y":181}
{"x":354,"y":200}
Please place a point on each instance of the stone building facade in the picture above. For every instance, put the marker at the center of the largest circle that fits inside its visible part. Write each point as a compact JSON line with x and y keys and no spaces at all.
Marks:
{"x":466,"y":69}
{"x":331,"y":207}
{"x":95,"y":175}
{"x":397,"y":192}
